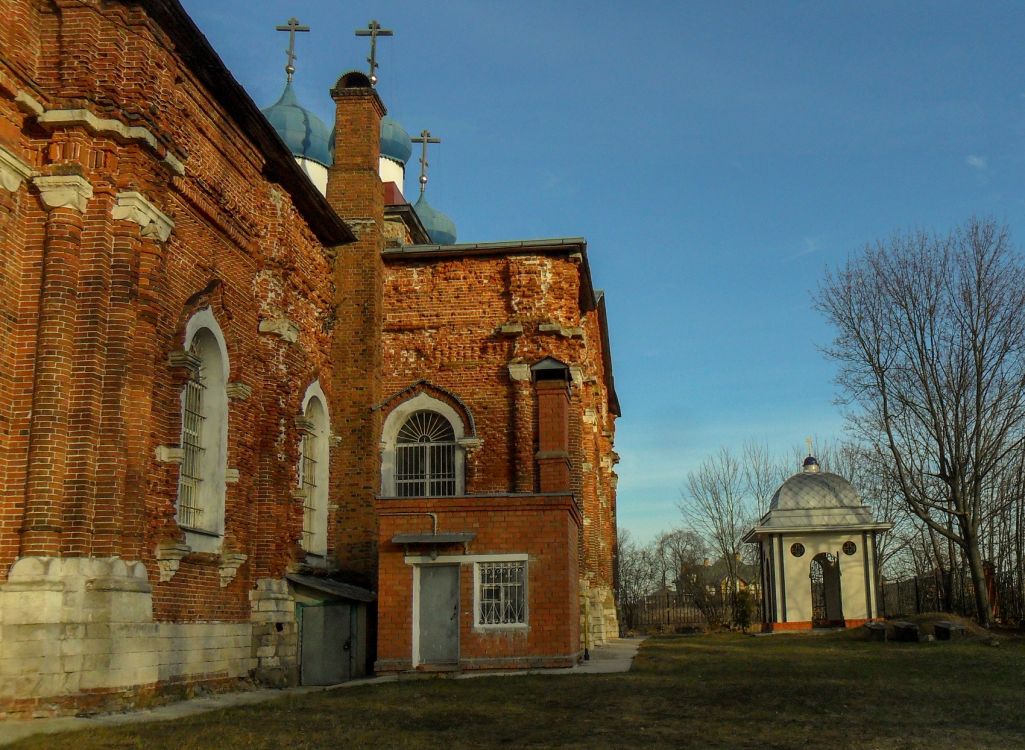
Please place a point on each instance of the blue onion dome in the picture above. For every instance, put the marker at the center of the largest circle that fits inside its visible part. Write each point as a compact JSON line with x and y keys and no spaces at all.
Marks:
{"x":303,"y":132}
{"x":395,"y":143}
{"x":442,"y":230}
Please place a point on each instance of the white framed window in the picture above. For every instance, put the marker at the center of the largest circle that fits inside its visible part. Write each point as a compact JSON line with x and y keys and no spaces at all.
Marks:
{"x":500,"y":594}
{"x":313,"y":469}
{"x":421,"y":455}
{"x":204,"y":434}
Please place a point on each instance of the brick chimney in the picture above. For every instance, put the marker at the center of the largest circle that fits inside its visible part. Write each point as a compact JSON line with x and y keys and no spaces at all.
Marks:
{"x":355,"y":191}
{"x":551,"y":383}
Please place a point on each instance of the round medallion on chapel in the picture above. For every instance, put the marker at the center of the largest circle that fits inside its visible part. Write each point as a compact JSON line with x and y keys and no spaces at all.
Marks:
{"x":797,"y":549}
{"x":849,"y":548}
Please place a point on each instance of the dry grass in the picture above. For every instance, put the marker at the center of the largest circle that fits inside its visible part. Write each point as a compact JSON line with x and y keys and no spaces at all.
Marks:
{"x":714,"y":691}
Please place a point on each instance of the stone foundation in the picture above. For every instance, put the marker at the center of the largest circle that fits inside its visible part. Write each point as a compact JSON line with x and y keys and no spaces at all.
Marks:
{"x":77,"y":634}
{"x":599,"y":621}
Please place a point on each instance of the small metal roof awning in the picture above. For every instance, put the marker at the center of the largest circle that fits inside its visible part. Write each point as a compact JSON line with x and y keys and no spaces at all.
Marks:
{"x":453,"y":537}
{"x":335,"y":588}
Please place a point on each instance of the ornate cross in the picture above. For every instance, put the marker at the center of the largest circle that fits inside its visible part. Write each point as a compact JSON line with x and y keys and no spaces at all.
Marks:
{"x":424,"y":139}
{"x":291,"y":27}
{"x":807,"y":442}
{"x":373,"y":30}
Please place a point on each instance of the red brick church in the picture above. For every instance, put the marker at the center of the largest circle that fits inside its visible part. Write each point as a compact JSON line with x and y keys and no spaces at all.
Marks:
{"x":260,"y":416}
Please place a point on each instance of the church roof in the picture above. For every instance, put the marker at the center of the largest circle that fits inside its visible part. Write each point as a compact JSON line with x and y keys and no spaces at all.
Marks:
{"x":204,"y":63}
{"x":303,"y":132}
{"x":395,"y":142}
{"x":440,"y":227}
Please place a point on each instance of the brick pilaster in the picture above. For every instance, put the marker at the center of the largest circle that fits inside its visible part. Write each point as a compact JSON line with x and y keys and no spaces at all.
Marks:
{"x":553,"y":435}
{"x":66,"y":198}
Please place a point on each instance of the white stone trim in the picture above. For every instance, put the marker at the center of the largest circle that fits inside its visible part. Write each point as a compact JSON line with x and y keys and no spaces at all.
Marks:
{"x":168,"y":454}
{"x":13,"y":171}
{"x":394,"y":422}
{"x":29,"y":103}
{"x":318,"y":542}
{"x":58,"y":191}
{"x":284,"y":328}
{"x":519,"y":372}
{"x":63,"y":117}
{"x":208,"y":538}
{"x":133,"y":206}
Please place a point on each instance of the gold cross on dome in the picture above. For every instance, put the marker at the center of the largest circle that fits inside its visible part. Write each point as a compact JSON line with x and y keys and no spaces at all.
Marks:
{"x":373,"y":30}
{"x":807,"y":441}
{"x":291,"y":27}
{"x":424,"y":139}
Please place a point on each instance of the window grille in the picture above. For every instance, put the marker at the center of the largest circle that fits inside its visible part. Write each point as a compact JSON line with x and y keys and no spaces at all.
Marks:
{"x":308,"y":484}
{"x":502,"y":593}
{"x":190,"y":509}
{"x":425,"y":457}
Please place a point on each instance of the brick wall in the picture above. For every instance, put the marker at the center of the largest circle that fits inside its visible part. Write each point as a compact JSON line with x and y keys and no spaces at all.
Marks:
{"x":131,"y":199}
{"x":543,"y":527}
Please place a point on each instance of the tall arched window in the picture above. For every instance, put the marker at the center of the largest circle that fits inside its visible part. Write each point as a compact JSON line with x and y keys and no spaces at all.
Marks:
{"x":425,"y":456}
{"x":204,"y":435}
{"x":314,"y":429}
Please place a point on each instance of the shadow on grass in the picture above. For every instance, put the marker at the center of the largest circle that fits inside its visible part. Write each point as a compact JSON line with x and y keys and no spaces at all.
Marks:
{"x":716,"y":691}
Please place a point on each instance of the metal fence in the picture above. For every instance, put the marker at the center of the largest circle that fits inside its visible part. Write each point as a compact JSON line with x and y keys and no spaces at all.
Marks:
{"x":952,"y":591}
{"x":672,"y":611}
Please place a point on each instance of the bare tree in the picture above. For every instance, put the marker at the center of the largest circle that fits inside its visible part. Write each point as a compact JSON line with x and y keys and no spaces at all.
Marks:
{"x":717,"y":504}
{"x":930,"y":337}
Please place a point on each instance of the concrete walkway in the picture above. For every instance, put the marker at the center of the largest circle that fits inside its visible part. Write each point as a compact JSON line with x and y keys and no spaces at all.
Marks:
{"x":616,"y":656}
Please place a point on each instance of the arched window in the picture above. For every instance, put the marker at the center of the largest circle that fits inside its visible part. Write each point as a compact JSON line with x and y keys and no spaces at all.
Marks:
{"x":425,"y":456}
{"x":421,"y":449}
{"x":204,"y":434}
{"x":314,"y":430}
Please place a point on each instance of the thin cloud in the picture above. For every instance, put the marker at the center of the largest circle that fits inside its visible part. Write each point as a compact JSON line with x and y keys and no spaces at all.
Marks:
{"x":809,"y":245}
{"x":976,"y":162}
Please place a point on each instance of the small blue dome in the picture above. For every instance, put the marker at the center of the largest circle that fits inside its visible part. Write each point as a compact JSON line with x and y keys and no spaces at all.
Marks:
{"x":395,"y":143}
{"x":303,"y":132}
{"x":441,"y":229}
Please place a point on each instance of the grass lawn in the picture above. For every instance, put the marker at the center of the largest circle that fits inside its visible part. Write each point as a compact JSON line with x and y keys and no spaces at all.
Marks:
{"x":714,"y":691}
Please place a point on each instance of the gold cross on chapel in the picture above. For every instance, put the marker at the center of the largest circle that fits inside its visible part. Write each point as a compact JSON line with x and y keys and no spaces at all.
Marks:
{"x":291,"y":27}
{"x":424,"y":139}
{"x":373,"y":30}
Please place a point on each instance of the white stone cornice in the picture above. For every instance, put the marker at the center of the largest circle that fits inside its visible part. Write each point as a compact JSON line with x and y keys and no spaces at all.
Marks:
{"x":58,"y":191}
{"x":29,"y":103}
{"x":13,"y":171}
{"x":62,"y":117}
{"x":133,"y":206}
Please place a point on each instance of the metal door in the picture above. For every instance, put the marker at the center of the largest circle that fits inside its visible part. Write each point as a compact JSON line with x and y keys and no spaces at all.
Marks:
{"x":439,"y":614}
{"x":325,"y":632}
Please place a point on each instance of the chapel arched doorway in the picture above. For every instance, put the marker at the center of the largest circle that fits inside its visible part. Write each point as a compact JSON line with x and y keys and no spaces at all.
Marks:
{"x":826,"y":602}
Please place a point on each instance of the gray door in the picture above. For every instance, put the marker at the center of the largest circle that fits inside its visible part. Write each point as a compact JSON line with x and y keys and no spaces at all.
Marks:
{"x":439,"y":614}
{"x":326,"y":643}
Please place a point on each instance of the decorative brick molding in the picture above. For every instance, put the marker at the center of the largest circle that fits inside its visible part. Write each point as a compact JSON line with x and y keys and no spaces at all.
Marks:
{"x":230,"y":563}
{"x":168,"y":454}
{"x":568,"y":332}
{"x":59,"y":191}
{"x":281,"y":327}
{"x":238,"y":391}
{"x":133,"y":206}
{"x":169,"y":555}
{"x":13,"y":171}
{"x":512,"y":328}
{"x":101,"y":126}
{"x":183,"y":359}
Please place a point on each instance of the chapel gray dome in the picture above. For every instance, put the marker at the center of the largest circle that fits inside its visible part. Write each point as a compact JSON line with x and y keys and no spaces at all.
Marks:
{"x":809,"y":490}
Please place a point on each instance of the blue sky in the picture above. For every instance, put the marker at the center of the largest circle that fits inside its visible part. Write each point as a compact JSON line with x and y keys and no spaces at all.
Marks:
{"x":717,"y":157}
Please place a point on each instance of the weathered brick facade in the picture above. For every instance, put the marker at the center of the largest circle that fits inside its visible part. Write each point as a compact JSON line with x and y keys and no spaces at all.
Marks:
{"x":143,"y":199}
{"x":137,"y":191}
